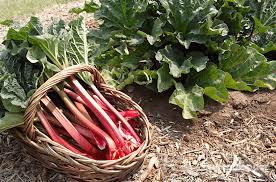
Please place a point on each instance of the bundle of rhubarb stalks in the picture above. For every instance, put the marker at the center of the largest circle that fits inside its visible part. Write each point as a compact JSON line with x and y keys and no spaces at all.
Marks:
{"x":85,"y":122}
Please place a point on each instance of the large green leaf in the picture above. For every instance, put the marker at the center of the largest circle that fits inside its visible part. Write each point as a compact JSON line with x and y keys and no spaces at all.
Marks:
{"x":264,"y":42}
{"x":179,"y":63}
{"x":122,"y":15}
{"x":235,"y":85}
{"x":191,"y":19}
{"x":13,"y":95}
{"x":11,"y":120}
{"x":184,"y":15}
{"x":249,"y":66}
{"x":69,"y":49}
{"x":156,"y":31}
{"x":49,"y":44}
{"x":78,"y":48}
{"x":212,"y":80}
{"x":18,"y":80}
{"x":33,"y":27}
{"x":19,"y":77}
{"x":90,"y":6}
{"x":165,"y":80}
{"x":233,"y":13}
{"x":190,"y":101}
{"x":264,"y":14}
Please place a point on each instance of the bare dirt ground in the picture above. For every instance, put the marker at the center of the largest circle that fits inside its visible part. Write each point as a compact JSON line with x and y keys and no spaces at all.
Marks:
{"x":231,"y":142}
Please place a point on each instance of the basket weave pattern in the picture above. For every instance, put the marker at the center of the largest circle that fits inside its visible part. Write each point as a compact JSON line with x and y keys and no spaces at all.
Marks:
{"x":54,"y":156}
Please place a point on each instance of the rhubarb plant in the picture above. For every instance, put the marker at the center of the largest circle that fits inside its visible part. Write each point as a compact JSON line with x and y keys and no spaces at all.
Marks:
{"x":208,"y":46}
{"x":193,"y":49}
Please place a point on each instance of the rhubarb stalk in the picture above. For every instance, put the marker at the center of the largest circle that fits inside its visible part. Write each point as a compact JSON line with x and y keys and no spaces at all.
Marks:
{"x":117,"y":114}
{"x":109,"y":125}
{"x":84,"y":144}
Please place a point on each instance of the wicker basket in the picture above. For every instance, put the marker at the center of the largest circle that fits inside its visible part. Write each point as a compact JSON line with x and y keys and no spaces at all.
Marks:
{"x":56,"y":157}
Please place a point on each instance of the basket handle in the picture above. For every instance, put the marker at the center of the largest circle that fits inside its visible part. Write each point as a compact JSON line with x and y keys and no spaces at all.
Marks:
{"x":31,"y":110}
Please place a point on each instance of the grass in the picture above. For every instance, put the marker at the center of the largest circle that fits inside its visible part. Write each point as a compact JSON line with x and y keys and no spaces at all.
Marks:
{"x":11,"y":8}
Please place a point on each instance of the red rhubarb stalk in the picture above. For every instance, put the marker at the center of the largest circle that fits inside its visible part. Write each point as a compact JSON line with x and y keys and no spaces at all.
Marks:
{"x":74,"y":96}
{"x":83,"y":131}
{"x":108,"y":124}
{"x":130,"y":114}
{"x":94,"y":139}
{"x":54,"y":136}
{"x":118,"y":115}
{"x":84,"y":144}
{"x":98,"y":100}
{"x":130,"y":141}
{"x":90,"y":125}
{"x":78,"y":103}
{"x":83,"y":110}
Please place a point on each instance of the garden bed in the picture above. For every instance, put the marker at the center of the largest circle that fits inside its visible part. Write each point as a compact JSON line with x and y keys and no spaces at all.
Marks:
{"x":231,"y":142}
{"x":228,"y":142}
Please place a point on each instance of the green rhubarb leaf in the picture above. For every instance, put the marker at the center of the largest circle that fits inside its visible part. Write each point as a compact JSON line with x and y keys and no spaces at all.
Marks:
{"x":123,"y":15}
{"x":90,"y":6}
{"x":16,"y":39}
{"x":77,"y":48}
{"x":11,"y":120}
{"x":156,"y":31}
{"x":57,"y":28}
{"x":184,"y":15}
{"x":264,"y":14}
{"x":249,"y":66}
{"x":179,"y":63}
{"x":33,"y":27}
{"x":70,"y":49}
{"x":144,"y":77}
{"x":191,"y":101}
{"x":212,"y":29}
{"x":13,"y":95}
{"x":165,"y":81}
{"x":235,"y":85}
{"x":212,"y":80}
{"x":190,"y":19}
{"x":48,"y":44}
{"x":264,"y":42}
{"x":233,"y":14}
{"x":18,"y":80}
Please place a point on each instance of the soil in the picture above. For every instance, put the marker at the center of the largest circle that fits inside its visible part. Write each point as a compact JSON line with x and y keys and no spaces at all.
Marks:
{"x":231,"y":142}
